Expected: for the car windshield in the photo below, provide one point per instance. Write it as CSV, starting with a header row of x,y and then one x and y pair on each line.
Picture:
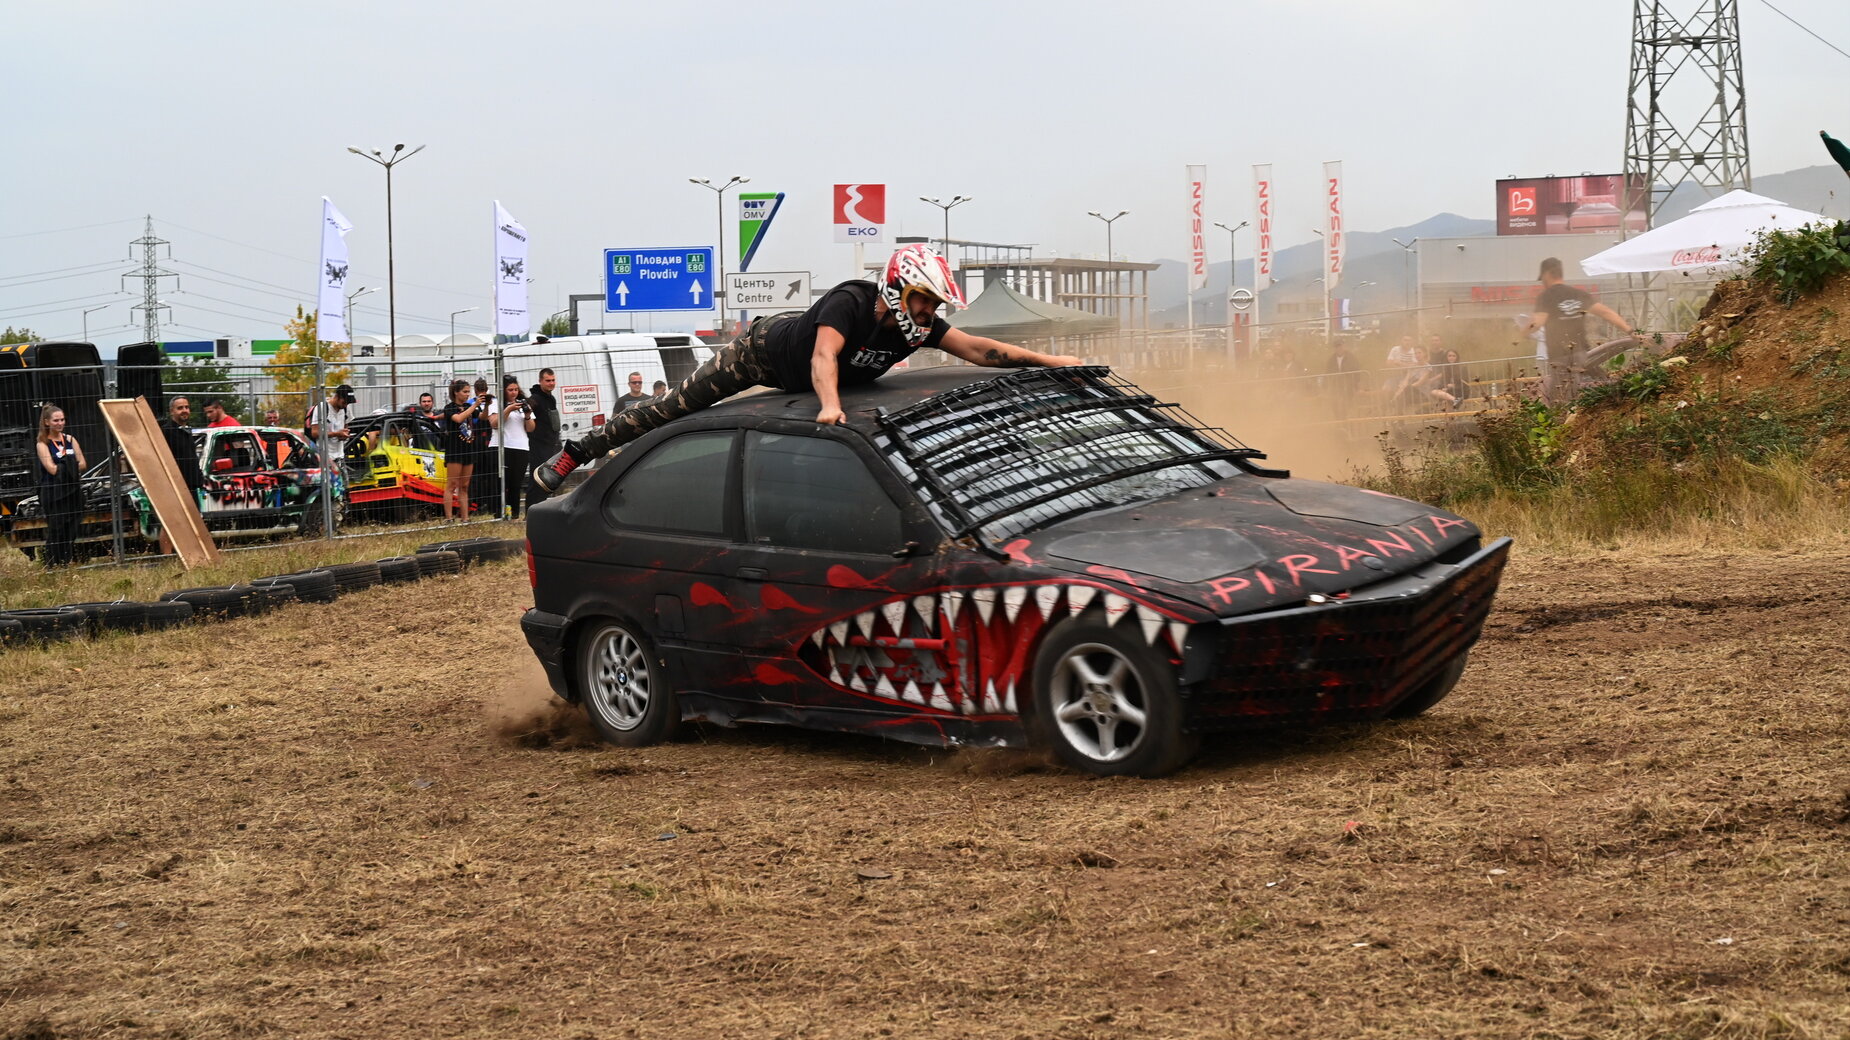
x,y
1026,449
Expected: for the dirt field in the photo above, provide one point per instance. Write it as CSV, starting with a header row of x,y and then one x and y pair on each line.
x,y
1631,820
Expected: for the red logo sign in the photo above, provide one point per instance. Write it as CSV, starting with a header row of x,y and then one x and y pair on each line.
x,y
1334,263
1696,257
1198,249
860,204
1265,231
1522,201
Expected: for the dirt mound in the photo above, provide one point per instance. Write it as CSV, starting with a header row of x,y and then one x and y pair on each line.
x,y
1757,376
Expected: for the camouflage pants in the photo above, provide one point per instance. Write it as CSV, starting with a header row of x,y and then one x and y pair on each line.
x,y
739,365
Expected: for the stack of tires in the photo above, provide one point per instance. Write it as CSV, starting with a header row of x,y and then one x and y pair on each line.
x,y
223,603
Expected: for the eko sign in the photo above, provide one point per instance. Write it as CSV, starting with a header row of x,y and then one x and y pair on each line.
x,y
860,212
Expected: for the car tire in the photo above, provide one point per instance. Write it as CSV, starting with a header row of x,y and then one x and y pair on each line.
x,y
395,569
275,595
439,561
1417,702
119,616
354,576
472,550
316,586
1106,703
46,624
167,615
220,603
311,524
623,686
11,631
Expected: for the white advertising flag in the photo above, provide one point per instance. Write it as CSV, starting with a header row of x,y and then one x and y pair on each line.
x,y
511,317
1333,225
331,299
1262,221
1197,237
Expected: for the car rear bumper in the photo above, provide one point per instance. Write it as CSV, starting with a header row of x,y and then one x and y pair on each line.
x,y
1346,660
546,636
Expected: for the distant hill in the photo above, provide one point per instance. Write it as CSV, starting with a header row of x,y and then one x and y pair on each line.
x,y
1821,189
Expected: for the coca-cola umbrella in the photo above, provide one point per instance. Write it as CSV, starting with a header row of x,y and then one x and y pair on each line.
x,y
1708,242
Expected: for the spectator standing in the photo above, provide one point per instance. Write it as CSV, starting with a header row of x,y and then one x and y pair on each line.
x,y
459,450
635,396
660,391
216,416
513,422
61,498
543,438
331,418
176,429
272,417
1342,378
1561,313
427,406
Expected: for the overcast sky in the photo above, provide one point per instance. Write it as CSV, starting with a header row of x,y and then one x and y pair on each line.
x,y
228,121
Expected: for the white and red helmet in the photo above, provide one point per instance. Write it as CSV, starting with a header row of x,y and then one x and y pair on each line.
x,y
917,269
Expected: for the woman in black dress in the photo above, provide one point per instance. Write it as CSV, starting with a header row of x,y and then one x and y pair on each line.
x,y
61,464
459,450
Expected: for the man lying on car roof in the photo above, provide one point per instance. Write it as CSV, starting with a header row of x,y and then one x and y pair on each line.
x,y
850,336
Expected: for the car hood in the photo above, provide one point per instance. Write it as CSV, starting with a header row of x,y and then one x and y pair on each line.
x,y
1250,543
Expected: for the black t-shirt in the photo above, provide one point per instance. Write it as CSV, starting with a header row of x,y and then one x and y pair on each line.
x,y
185,454
869,348
545,434
1566,308
458,437
626,402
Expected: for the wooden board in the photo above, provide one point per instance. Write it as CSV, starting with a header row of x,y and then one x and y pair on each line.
x,y
142,441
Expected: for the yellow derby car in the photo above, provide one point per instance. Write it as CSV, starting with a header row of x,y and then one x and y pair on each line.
x,y
394,462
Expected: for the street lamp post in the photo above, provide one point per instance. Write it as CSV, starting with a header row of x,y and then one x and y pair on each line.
x,y
1233,277
719,247
453,315
1108,222
956,200
86,317
1406,277
356,294
391,269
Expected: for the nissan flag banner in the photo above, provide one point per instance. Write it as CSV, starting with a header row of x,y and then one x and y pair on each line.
x,y
331,301
1262,222
510,275
860,213
1333,225
1197,240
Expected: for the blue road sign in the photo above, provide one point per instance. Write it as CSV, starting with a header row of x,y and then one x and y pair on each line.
x,y
668,279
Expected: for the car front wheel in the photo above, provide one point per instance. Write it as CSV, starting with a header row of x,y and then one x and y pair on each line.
x,y
623,687
1107,703
1433,692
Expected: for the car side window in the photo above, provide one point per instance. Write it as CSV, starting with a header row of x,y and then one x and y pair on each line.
x,y
680,487
815,493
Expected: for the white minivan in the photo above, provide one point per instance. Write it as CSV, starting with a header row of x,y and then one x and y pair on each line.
x,y
593,371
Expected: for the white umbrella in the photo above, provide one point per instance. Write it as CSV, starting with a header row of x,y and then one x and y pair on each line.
x,y
1708,241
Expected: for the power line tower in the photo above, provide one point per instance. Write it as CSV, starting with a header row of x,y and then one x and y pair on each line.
x,y
150,275
1686,116
1686,121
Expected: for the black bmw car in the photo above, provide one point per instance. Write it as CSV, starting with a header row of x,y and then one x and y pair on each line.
x,y
1048,556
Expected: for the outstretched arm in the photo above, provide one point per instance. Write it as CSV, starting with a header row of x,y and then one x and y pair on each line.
x,y
822,373
991,353
1600,310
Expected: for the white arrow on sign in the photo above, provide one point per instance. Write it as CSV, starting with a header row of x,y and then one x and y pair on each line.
x,y
695,289
623,294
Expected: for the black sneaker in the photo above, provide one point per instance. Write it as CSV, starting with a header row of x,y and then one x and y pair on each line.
x,y
560,466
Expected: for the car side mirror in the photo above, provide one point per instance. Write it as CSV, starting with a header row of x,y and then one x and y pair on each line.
x,y
221,465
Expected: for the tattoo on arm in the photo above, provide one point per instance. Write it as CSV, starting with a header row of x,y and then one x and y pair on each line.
x,y
992,354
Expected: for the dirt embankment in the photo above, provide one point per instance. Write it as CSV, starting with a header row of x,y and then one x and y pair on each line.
x,y
1632,819
1758,372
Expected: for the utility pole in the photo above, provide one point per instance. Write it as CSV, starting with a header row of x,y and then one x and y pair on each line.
x,y
1685,114
150,275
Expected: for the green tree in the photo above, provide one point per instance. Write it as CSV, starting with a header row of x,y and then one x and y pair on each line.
x,y
293,366
555,326
19,335
201,380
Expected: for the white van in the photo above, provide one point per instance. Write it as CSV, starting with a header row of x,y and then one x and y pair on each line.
x,y
593,371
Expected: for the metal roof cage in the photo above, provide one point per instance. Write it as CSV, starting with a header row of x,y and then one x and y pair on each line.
x,y
1026,449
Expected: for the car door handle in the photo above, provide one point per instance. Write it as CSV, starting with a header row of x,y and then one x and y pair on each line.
x,y
751,572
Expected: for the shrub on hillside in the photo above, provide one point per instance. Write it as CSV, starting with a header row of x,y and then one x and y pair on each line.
x,y
1798,263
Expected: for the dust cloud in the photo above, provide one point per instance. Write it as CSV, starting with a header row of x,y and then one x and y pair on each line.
x,y
526,713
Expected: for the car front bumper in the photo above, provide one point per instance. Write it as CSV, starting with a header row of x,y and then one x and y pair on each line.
x,y
546,636
1344,660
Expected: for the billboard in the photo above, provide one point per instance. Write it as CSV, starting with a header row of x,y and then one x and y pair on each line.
x,y
860,212
1571,205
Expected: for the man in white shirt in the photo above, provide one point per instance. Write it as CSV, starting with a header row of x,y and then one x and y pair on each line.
x,y
332,417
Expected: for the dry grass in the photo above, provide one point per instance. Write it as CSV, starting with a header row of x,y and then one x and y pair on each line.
x,y
1631,821
24,583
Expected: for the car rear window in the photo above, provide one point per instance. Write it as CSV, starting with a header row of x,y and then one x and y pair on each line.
x,y
1014,453
680,486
